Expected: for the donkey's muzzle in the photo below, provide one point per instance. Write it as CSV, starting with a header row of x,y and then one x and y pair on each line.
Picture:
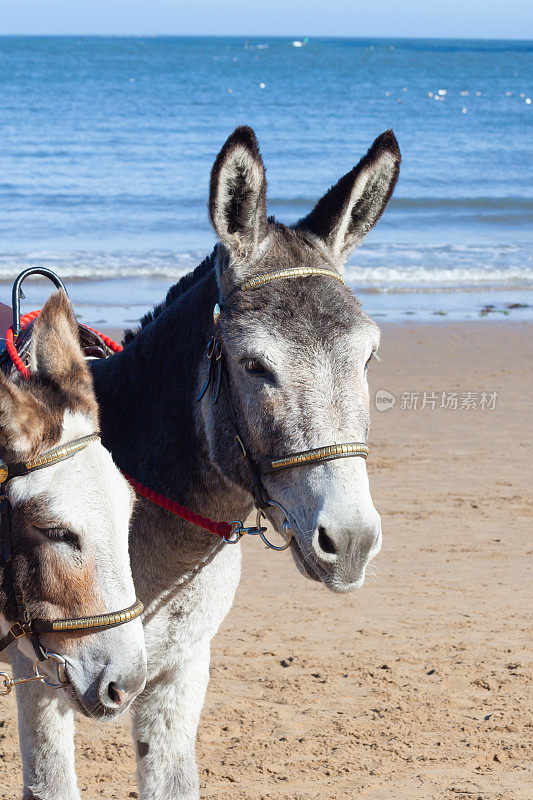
x,y
342,551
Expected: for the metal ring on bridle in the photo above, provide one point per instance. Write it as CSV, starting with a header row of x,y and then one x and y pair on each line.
x,y
60,665
286,529
237,532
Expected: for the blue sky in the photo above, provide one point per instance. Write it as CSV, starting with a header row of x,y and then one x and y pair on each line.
x,y
467,18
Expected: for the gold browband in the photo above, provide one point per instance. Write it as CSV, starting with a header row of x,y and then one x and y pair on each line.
x,y
296,272
321,454
61,452
48,459
111,620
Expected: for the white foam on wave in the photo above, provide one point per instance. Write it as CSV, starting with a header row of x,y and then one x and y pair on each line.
x,y
380,266
99,266
390,278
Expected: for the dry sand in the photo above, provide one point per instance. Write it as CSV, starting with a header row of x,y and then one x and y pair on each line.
x,y
417,685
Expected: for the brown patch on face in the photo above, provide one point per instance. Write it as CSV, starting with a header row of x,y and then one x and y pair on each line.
x,y
66,585
56,583
31,422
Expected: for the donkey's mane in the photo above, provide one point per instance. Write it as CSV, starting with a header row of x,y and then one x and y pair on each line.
x,y
179,289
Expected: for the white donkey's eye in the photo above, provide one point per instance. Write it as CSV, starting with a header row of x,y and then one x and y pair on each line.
x,y
61,535
373,355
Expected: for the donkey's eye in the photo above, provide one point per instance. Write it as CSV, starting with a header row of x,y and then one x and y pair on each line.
x,y
373,355
61,535
255,366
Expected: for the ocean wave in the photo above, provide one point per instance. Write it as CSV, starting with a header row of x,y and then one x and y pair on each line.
x,y
84,265
380,266
388,278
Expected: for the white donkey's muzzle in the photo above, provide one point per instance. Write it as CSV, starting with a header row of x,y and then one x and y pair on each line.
x,y
343,532
345,549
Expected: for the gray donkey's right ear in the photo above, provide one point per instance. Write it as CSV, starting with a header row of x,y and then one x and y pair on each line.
x,y
237,198
351,208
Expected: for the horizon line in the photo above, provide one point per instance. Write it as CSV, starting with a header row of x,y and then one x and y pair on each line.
x,y
261,35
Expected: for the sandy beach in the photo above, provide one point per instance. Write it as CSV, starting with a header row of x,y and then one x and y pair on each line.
x,y
417,685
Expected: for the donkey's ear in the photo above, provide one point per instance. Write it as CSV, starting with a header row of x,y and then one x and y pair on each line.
x,y
23,420
237,197
55,351
351,208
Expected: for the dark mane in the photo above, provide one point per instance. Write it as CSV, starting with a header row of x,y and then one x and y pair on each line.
x,y
179,288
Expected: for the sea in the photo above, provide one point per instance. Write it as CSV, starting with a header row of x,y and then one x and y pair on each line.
x,y
107,145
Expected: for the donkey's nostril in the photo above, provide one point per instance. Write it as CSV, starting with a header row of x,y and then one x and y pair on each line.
x,y
116,695
324,542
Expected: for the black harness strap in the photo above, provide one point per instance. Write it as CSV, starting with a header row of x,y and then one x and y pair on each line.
x,y
257,489
14,633
23,626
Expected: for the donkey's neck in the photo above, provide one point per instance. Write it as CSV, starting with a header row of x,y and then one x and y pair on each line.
x,y
151,421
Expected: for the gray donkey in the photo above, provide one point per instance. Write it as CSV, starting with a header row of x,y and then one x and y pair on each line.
x,y
291,377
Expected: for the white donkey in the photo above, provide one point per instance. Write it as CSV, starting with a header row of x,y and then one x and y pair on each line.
x,y
64,568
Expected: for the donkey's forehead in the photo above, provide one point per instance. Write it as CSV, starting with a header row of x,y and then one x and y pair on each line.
x,y
314,307
286,248
300,312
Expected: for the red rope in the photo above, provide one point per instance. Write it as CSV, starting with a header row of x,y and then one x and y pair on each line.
x,y
219,528
10,344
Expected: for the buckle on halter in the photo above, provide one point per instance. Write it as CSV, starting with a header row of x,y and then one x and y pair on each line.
x,y
16,631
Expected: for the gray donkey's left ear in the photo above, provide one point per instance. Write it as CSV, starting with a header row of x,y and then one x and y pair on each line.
x,y
237,198
351,208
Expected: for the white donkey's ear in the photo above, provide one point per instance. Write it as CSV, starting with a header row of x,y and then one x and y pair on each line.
x,y
23,421
351,208
56,354
55,351
237,198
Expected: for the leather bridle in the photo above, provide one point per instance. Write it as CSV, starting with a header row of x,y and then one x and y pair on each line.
x,y
218,375
25,624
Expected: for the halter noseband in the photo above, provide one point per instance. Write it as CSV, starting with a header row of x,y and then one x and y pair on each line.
x,y
25,625
218,374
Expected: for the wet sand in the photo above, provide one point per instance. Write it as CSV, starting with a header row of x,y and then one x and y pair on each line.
x,y
417,685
